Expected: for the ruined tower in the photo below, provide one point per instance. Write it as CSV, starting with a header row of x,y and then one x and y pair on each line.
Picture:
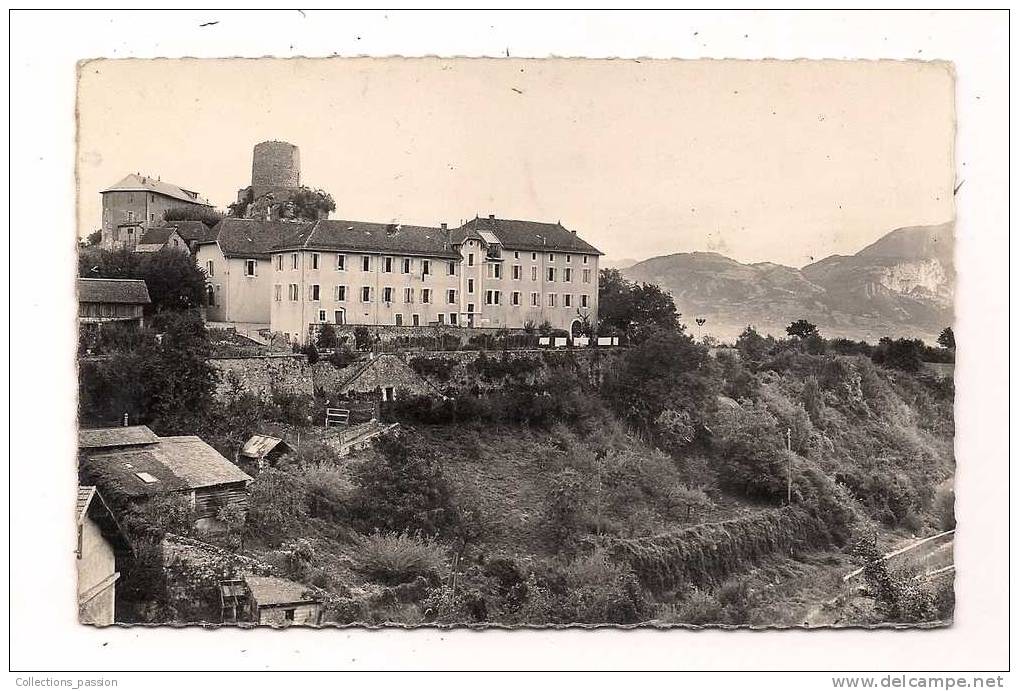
x,y
275,168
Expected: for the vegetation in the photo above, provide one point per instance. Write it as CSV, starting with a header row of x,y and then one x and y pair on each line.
x,y
173,280
191,212
633,310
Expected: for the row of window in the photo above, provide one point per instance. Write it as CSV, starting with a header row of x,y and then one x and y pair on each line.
x,y
367,294
339,317
534,256
387,265
406,265
494,297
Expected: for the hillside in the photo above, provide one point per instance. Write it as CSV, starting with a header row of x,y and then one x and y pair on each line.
x,y
551,498
900,285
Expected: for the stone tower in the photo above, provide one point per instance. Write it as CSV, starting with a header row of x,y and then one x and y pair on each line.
x,y
275,168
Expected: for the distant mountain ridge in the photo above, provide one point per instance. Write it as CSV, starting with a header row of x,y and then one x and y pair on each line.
x,y
900,285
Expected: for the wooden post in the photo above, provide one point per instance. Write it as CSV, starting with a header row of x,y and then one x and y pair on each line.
x,y
789,465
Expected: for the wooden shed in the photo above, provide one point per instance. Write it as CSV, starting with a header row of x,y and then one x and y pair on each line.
x,y
278,602
262,450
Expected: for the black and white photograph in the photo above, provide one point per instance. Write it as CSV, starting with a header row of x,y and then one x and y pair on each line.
x,y
516,343
490,340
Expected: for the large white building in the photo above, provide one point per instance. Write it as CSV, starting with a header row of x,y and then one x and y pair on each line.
x,y
488,273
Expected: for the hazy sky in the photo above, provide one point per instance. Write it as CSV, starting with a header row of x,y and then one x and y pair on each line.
x,y
761,161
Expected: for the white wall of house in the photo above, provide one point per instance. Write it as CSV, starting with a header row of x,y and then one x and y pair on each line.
x,y
309,287
241,285
97,573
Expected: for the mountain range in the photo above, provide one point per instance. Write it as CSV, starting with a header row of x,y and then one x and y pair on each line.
x,y
901,285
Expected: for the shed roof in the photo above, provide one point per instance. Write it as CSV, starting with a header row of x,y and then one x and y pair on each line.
x,y
129,291
108,437
261,445
269,591
197,463
533,236
383,238
136,182
117,473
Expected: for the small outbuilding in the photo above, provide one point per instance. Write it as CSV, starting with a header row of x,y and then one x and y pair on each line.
x,y
263,450
278,602
105,300
102,550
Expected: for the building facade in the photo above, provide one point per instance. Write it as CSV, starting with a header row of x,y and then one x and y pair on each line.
x,y
105,300
488,273
137,203
101,546
236,258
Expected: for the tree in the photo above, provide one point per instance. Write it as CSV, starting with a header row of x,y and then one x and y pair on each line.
x,y
667,371
947,338
802,329
240,207
93,239
752,346
636,311
192,212
310,205
173,280
902,353
180,383
327,337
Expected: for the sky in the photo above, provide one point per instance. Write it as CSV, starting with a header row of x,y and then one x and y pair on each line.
x,y
780,161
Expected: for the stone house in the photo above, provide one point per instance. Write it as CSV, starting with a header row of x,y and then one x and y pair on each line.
x,y
156,239
384,377
101,551
136,203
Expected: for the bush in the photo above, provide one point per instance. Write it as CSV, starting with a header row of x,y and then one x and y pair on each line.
x,y
276,504
397,492
698,608
902,353
392,558
438,368
311,352
342,356
328,490
326,337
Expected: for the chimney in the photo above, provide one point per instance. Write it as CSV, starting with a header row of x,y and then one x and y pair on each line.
x,y
574,232
125,420
491,217
443,226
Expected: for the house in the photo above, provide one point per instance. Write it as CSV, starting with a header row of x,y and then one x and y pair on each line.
x,y
385,377
101,551
263,450
278,602
138,202
135,464
156,239
236,257
489,273
105,300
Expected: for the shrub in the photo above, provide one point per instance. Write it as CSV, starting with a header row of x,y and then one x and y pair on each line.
x,y
276,504
326,337
311,352
392,558
698,608
342,356
433,367
944,507
565,505
902,353
158,515
395,491
293,559
327,490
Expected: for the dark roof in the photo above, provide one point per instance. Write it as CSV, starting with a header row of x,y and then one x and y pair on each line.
x,y
91,504
110,437
130,291
156,236
197,463
382,238
532,236
190,230
146,183
116,473
243,237
268,591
